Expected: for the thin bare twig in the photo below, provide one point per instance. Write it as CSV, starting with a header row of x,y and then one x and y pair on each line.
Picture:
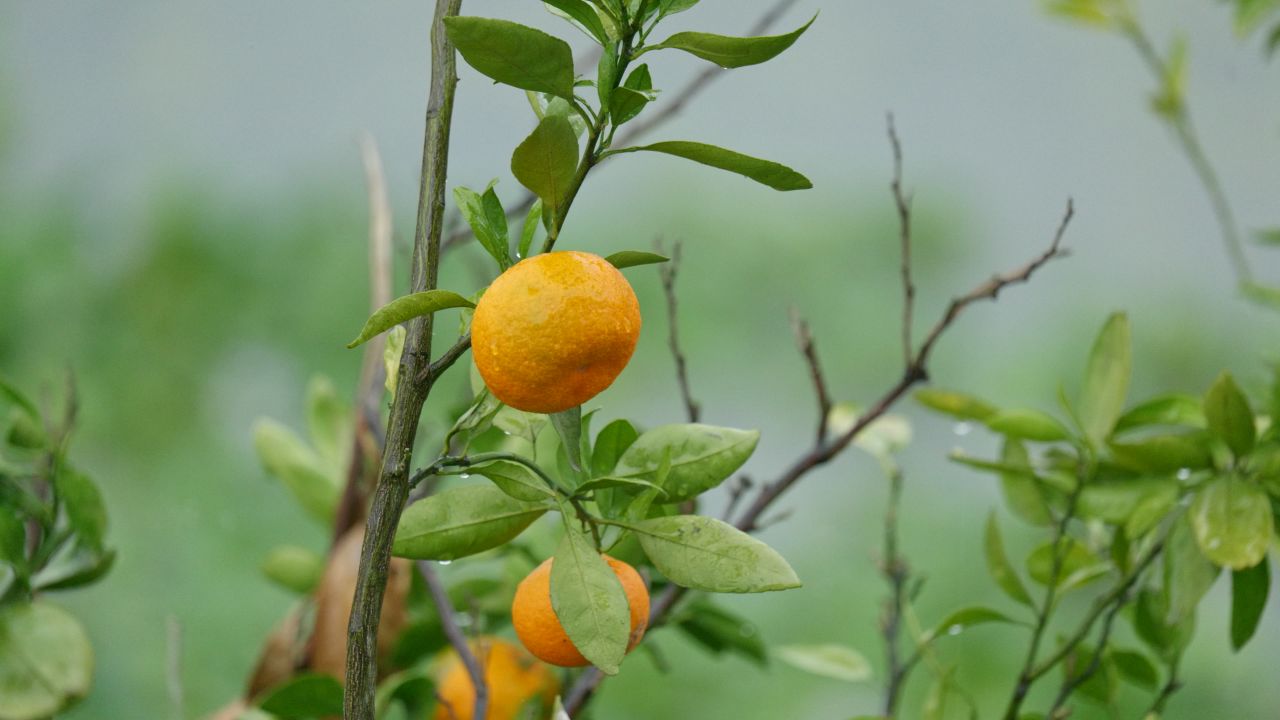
x,y
444,608
896,572
668,272
804,341
903,203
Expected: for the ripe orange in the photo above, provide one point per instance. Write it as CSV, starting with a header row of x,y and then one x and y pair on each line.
x,y
540,630
512,677
554,330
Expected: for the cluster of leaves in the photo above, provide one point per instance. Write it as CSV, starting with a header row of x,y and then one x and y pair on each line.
x,y
1144,505
52,537
1250,16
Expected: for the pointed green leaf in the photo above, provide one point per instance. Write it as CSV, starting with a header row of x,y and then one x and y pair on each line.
x,y
289,460
610,481
965,618
46,662
631,258
406,308
1136,668
568,425
1188,574
610,444
583,15
294,568
589,602
957,405
998,564
546,161
328,422
1233,522
1077,566
837,662
488,222
530,229
1229,417
720,631
304,696
700,456
1165,410
628,100
1115,501
1022,492
83,504
732,52
703,553
514,54
462,521
513,478
765,172
1164,453
1106,380
1028,424
1249,590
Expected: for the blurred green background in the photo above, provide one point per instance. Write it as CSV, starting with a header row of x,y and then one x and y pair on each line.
x,y
182,223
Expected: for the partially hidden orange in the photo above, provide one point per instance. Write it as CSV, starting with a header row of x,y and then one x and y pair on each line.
x,y
512,678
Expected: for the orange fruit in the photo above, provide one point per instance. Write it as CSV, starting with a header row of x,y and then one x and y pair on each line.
x,y
540,630
554,330
512,677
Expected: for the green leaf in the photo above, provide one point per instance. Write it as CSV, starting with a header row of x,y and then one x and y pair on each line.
x,y
671,7
1164,453
628,100
530,229
407,308
998,564
409,690
46,662
547,160
514,54
965,618
462,521
606,74
1165,410
294,568
568,425
1028,424
1077,568
391,357
1088,12
311,695
610,444
583,15
631,258
1022,491
700,456
1249,590
703,553
732,52
1233,522
765,172
1115,501
285,457
1229,417
513,478
608,481
720,631
589,602
1136,668
487,224
13,539
957,405
1268,236
328,422
837,662
76,567
24,431
1188,574
1106,379
15,396
83,504
1169,101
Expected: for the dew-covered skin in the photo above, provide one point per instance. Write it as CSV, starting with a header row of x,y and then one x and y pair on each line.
x,y
555,330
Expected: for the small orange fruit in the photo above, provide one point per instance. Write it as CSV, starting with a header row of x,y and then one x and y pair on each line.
x,y
554,330
512,678
540,630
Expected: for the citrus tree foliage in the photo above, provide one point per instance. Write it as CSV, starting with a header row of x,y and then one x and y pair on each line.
x,y
1142,506
52,538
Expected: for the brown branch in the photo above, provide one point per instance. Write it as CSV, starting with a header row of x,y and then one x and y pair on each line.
x,y
668,272
804,341
393,486
444,608
903,203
